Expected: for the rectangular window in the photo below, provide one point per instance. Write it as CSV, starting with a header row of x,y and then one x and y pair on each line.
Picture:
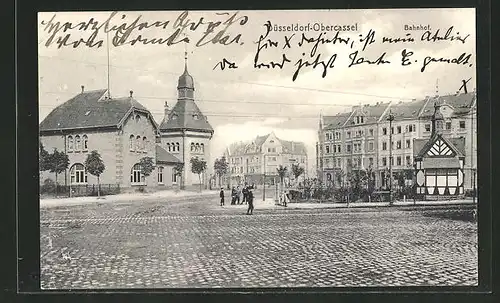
x,y
448,125
348,147
408,144
392,161
337,135
427,127
338,148
327,148
398,160
398,145
370,161
371,132
160,175
384,161
384,131
462,124
384,145
348,135
414,128
408,160
399,129
370,146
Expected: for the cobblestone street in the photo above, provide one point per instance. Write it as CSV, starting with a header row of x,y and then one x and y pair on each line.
x,y
194,244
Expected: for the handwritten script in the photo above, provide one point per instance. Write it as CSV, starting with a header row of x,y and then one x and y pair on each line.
x,y
296,51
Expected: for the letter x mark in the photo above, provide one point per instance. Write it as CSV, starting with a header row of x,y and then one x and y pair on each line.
x,y
464,85
287,41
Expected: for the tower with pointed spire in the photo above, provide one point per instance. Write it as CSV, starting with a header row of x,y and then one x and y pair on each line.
x,y
185,131
437,119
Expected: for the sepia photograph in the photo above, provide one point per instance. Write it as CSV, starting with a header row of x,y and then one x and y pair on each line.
x,y
258,149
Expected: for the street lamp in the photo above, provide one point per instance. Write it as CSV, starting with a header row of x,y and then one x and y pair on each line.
x,y
390,118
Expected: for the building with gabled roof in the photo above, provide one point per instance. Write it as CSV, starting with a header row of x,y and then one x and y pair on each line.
x,y
257,160
361,140
123,131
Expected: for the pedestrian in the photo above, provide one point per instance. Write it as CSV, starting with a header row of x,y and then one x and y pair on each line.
x,y
233,196
250,202
245,195
238,195
221,196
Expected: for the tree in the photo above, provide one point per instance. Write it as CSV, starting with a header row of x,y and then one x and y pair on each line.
x,y
95,166
282,170
147,166
297,170
43,158
57,162
221,167
198,167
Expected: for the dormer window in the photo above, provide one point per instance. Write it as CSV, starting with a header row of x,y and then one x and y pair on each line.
x,y
174,117
196,117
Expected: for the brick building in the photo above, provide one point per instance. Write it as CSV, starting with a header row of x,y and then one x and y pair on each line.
x,y
123,131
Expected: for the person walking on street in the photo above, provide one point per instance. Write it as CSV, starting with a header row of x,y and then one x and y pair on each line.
x,y
233,195
250,202
221,196
245,195
238,195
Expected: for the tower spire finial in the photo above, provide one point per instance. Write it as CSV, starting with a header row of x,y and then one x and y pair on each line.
x,y
185,51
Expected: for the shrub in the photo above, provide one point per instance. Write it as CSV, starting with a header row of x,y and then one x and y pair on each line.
x,y
48,186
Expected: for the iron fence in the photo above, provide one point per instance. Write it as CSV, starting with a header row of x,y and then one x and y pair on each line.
x,y
79,190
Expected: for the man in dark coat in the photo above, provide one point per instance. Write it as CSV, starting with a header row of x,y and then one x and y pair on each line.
x,y
250,202
221,196
233,196
245,195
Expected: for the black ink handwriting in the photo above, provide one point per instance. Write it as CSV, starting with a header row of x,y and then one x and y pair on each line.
x,y
368,39
287,41
329,64
404,57
223,63
320,40
355,60
407,38
463,59
427,36
464,86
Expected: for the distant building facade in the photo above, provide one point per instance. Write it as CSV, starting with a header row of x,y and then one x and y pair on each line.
x,y
123,131
359,139
259,159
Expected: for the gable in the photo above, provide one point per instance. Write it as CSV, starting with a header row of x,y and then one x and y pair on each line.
x,y
440,149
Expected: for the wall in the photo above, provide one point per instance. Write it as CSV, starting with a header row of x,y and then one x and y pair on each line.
x,y
143,128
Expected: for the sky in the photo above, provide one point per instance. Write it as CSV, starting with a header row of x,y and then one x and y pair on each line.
x,y
244,102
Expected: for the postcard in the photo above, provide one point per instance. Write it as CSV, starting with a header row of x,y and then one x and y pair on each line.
x,y
257,149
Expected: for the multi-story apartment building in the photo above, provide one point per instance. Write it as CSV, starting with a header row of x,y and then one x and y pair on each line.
x,y
254,161
361,138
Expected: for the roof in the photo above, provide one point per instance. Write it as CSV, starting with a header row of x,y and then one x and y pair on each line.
x,y
239,148
372,113
185,80
163,156
406,110
186,115
90,110
421,146
336,121
441,163
461,103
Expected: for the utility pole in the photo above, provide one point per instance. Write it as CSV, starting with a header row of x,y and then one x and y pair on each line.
x,y
264,185
390,118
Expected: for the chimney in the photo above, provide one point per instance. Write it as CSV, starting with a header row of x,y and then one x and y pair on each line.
x,y
83,89
131,93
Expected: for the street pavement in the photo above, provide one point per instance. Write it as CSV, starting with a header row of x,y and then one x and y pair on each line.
x,y
192,243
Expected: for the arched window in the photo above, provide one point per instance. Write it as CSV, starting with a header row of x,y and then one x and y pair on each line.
x,y
78,174
138,143
177,146
174,177
136,177
197,147
329,177
70,143
78,143
137,118
192,147
168,147
131,143
144,143
160,175
85,142
202,147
